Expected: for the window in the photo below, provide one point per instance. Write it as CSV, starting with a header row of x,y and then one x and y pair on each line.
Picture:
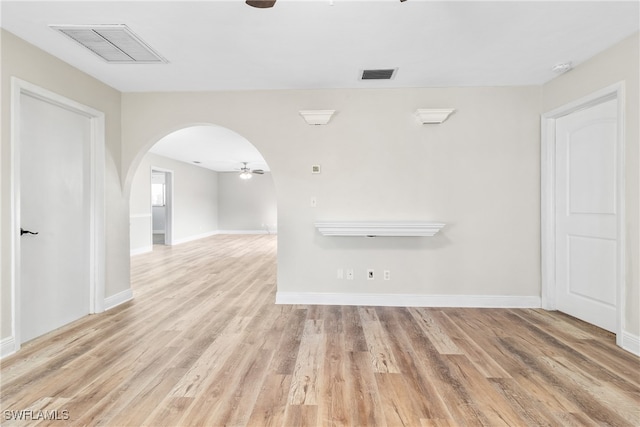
x,y
157,195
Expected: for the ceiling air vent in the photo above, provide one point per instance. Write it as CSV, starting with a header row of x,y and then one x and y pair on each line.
x,y
385,74
113,43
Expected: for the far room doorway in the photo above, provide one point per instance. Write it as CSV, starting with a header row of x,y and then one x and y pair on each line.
x,y
161,206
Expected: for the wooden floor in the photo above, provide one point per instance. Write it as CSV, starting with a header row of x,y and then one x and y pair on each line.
x,y
203,344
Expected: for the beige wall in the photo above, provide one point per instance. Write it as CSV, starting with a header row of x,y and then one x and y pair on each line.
x,y
617,64
28,63
247,205
195,201
478,172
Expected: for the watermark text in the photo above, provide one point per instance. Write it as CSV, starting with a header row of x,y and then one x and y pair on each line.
x,y
36,415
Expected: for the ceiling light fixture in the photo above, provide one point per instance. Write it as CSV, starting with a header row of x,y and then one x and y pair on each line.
x,y
246,172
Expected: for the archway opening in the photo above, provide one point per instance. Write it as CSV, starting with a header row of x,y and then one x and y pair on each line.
x,y
191,184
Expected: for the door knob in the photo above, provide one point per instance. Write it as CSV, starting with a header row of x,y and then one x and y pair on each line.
x,y
23,231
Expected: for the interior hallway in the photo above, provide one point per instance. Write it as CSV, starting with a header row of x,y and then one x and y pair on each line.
x,y
203,344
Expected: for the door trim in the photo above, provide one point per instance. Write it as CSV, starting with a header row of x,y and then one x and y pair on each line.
x,y
547,190
96,200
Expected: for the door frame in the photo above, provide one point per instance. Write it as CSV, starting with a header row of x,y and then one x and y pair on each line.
x,y
168,209
548,195
96,167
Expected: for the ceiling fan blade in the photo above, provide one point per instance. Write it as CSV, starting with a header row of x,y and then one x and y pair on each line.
x,y
261,4
258,171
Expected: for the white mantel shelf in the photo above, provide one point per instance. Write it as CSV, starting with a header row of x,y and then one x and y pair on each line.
x,y
379,228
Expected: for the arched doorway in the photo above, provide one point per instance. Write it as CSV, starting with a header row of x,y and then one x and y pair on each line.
x,y
197,189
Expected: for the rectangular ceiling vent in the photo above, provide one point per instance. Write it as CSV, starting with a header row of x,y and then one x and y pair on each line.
x,y
384,74
113,43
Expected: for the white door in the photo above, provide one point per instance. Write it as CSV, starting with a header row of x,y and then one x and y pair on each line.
x,y
54,202
586,214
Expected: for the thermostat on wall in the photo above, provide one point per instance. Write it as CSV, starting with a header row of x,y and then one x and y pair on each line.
x,y
315,169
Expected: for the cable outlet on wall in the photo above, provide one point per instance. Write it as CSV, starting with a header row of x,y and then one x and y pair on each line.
x,y
350,274
370,274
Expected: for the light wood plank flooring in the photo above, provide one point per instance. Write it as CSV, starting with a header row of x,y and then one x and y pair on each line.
x,y
203,344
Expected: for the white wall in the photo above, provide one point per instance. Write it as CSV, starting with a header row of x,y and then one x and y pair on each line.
x,y
478,172
195,194
247,205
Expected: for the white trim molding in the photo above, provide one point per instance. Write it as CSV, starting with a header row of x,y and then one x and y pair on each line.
x,y
379,228
141,250
195,237
117,299
631,343
7,347
96,183
548,195
408,300
247,232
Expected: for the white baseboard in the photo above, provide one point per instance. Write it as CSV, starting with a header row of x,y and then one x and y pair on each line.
x,y
7,347
140,251
409,300
247,232
631,343
195,237
117,299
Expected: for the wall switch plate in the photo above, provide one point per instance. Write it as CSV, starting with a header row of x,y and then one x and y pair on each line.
x,y
387,275
350,274
370,274
340,274
313,202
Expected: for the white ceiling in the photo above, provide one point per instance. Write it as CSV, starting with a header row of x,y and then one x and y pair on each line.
x,y
311,44
215,147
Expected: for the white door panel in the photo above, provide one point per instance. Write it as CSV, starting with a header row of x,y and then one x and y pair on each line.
x,y
54,264
586,221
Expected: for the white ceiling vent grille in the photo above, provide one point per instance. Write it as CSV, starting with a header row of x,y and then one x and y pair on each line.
x,y
113,43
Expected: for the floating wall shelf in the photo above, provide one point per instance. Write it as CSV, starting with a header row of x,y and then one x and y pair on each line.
x,y
379,228
433,116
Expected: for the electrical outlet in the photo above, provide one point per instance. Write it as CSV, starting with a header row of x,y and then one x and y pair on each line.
x,y
350,274
370,274
340,274
387,275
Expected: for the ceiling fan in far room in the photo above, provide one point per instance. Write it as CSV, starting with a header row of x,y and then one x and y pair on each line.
x,y
265,4
246,172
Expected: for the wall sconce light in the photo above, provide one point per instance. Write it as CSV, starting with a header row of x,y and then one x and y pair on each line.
x,y
317,117
433,116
